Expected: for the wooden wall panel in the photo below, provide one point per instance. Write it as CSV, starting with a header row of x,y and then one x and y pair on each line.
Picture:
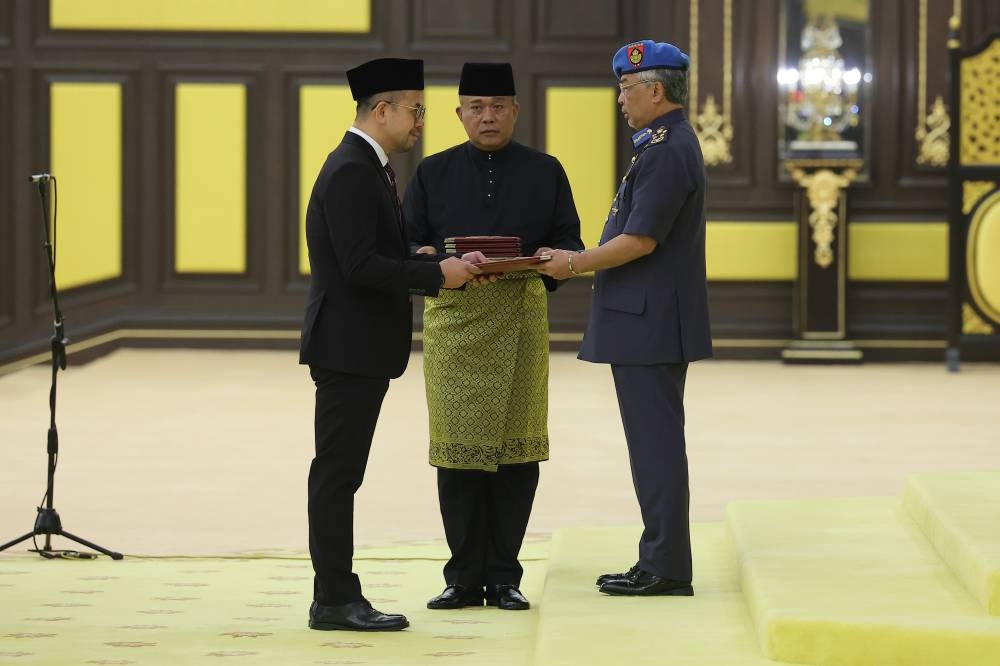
x,y
176,277
6,15
110,293
579,22
6,207
549,42
459,25
318,45
980,18
86,155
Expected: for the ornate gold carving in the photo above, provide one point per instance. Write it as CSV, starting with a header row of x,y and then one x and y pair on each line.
x,y
954,23
982,295
972,323
714,126
973,191
932,129
933,136
979,133
715,134
823,190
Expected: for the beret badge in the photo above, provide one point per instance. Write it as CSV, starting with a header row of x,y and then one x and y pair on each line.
x,y
636,53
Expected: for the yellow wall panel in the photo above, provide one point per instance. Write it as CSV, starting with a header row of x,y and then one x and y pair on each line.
x,y
325,113
751,250
86,136
580,132
213,15
906,251
210,178
442,128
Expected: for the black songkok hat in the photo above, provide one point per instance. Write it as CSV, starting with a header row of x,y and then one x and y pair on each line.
x,y
489,79
385,75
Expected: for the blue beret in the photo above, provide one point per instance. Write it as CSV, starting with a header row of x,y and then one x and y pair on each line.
x,y
647,54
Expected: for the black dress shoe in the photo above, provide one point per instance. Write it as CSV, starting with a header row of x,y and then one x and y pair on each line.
x,y
604,578
506,597
644,584
457,596
354,616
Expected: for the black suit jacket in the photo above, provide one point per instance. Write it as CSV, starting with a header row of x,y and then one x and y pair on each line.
x,y
359,319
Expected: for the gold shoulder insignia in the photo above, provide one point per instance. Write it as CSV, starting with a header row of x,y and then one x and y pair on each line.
x,y
659,136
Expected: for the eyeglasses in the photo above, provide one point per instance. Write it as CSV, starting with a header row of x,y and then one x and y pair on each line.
x,y
419,111
625,86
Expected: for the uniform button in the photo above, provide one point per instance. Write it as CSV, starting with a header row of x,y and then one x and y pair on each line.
x,y
491,182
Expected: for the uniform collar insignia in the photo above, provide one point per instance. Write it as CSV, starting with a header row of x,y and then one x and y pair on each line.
x,y
641,137
659,135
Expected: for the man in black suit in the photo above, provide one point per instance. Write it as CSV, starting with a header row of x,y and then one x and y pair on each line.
x,y
358,324
649,316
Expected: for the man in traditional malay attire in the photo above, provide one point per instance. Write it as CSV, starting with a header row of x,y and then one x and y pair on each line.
x,y
486,347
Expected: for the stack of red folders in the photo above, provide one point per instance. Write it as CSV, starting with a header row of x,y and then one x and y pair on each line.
x,y
493,247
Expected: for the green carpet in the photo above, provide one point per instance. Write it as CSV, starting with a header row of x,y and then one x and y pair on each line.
x,y
579,625
854,582
959,513
245,611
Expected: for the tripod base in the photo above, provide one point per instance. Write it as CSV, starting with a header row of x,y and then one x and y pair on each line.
x,y
48,523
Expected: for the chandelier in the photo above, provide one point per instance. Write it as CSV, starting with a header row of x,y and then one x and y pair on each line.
x,y
821,95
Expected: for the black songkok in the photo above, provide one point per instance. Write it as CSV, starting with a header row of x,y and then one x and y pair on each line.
x,y
385,75
487,79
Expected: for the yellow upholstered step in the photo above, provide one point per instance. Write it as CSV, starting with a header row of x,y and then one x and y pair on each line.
x,y
854,582
578,625
959,513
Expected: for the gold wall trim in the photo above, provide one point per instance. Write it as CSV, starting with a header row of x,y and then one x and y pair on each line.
x,y
978,291
979,87
713,126
823,188
972,323
348,16
932,132
973,191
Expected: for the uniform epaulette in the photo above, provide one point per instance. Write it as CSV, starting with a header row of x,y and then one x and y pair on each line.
x,y
659,136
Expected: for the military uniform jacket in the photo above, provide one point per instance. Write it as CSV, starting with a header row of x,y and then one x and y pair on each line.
x,y
655,309
359,319
514,191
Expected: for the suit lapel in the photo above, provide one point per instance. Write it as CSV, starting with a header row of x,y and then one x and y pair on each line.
x,y
358,142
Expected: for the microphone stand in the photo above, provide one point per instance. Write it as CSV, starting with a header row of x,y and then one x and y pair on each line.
x,y
47,522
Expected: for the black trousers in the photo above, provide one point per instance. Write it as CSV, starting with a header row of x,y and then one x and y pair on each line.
x,y
651,401
485,517
347,409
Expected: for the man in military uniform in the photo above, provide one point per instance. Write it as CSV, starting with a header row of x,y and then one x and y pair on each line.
x,y
649,315
358,323
486,348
